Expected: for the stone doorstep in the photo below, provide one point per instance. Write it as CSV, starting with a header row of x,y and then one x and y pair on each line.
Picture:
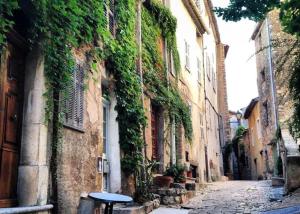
x,y
277,181
29,209
138,209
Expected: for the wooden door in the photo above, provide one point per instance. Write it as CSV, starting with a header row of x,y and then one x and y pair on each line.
x,y
154,132
11,88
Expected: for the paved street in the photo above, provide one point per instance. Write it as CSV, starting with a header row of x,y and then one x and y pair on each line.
x,y
236,197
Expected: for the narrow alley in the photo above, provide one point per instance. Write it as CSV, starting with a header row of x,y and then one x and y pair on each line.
x,y
238,197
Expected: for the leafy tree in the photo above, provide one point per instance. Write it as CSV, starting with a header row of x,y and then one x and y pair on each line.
x,y
257,9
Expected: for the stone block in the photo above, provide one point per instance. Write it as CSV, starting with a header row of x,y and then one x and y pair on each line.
x,y
43,181
129,210
171,192
177,199
27,185
156,203
30,144
277,181
149,206
43,135
168,200
191,194
293,173
162,191
184,199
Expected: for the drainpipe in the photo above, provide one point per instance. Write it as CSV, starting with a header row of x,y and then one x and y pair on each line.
x,y
273,90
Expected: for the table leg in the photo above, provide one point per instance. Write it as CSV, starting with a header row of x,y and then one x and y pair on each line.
x,y
111,208
106,211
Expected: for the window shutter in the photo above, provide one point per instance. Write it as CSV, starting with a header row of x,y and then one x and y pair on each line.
x,y
110,16
74,101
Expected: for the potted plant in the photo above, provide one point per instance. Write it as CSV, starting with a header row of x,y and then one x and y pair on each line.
x,y
177,172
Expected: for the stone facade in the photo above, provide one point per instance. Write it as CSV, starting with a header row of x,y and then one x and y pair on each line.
x,y
276,106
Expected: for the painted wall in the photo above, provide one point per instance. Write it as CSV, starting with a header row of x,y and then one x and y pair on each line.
x,y
257,152
191,83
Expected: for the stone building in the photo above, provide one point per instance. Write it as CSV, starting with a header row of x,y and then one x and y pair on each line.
x,y
202,55
25,152
89,156
275,104
257,158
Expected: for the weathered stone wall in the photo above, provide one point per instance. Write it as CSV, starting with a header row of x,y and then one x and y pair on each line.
x,y
277,65
77,169
293,173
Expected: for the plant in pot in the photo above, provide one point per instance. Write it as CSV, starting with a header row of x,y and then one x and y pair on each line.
x,y
177,172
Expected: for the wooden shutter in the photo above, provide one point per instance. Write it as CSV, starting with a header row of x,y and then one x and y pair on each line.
x,y
110,16
74,101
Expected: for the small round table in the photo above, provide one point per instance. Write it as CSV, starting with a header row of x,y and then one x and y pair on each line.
x,y
109,199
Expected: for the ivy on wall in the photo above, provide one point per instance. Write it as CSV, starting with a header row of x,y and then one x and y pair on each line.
x,y
158,22
60,26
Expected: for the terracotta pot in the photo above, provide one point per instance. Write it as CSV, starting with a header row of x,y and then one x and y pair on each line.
x,y
163,181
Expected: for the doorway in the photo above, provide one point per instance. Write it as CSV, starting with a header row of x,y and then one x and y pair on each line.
x,y
11,103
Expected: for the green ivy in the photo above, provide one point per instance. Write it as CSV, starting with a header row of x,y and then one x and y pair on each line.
x,y
7,7
155,78
61,26
122,63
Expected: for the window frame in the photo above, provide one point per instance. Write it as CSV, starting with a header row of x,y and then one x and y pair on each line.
x,y
187,56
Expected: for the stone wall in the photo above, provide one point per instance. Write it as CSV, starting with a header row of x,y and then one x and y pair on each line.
x,y
77,169
292,173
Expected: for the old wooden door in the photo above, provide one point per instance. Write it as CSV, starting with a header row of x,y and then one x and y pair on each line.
x,y
11,88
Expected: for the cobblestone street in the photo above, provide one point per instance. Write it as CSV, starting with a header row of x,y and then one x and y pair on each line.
x,y
236,197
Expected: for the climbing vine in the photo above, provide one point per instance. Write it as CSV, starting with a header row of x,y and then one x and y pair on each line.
x,y
59,27
6,12
157,24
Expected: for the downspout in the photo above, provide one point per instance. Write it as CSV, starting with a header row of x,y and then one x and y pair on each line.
x,y
272,78
206,141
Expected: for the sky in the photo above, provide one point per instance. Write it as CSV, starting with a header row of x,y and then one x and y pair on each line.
x,y
240,66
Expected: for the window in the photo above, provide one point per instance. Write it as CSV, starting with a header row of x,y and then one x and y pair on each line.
x,y
73,104
201,126
110,15
252,137
258,129
187,56
199,69
263,75
208,67
266,113
214,81
170,63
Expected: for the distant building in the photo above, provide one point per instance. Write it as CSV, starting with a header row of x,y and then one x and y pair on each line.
x,y
257,155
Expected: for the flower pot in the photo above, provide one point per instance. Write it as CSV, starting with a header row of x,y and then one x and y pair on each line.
x,y
163,181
